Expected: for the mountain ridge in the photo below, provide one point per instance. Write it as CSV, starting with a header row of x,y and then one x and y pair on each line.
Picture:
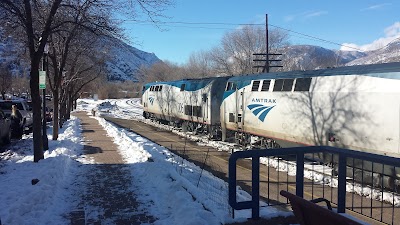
x,y
124,61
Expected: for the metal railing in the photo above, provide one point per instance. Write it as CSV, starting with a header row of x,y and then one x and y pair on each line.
x,y
364,183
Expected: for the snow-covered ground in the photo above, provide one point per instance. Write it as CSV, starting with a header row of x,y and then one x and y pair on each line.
x,y
131,109
180,192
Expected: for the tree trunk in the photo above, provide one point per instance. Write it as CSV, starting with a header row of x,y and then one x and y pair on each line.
x,y
70,105
55,114
62,112
37,120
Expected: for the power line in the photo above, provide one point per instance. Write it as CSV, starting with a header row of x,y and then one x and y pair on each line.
x,y
316,38
195,23
310,37
197,27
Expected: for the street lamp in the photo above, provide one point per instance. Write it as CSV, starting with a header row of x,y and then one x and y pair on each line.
x,y
44,128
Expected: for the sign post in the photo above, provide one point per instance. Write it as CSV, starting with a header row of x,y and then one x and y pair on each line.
x,y
42,79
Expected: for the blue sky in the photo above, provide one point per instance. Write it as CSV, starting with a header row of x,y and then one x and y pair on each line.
x,y
362,24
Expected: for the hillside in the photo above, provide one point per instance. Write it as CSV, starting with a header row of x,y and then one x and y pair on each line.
x,y
389,53
124,61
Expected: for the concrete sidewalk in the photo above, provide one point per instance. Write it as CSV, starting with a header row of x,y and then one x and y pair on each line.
x,y
107,197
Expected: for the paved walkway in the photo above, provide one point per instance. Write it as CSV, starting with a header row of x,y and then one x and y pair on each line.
x,y
107,197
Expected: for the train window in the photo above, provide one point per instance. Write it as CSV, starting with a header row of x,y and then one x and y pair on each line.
x,y
302,84
283,84
188,110
233,86
157,88
228,86
287,85
183,87
265,85
231,118
197,111
256,84
151,88
278,85
239,118
160,88
204,97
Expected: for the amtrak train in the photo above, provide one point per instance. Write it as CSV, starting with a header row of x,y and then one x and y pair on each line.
x,y
356,107
192,104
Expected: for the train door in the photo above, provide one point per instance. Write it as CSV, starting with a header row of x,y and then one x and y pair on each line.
x,y
145,102
239,109
205,107
144,98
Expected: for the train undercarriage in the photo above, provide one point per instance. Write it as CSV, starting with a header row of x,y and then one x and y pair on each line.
x,y
388,178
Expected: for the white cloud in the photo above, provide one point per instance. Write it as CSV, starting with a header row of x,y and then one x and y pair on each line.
x,y
305,15
374,7
391,33
290,18
314,14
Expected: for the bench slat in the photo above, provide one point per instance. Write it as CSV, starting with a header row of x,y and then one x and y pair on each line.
x,y
309,213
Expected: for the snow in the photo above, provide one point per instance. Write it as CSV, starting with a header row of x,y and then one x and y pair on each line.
x,y
43,203
318,173
179,192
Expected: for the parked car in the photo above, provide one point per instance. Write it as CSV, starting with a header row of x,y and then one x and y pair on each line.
x,y
49,112
23,108
49,98
5,128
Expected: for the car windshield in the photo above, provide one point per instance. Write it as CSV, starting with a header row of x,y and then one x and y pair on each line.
x,y
7,105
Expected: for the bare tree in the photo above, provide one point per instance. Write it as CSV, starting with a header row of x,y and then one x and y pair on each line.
x,y
35,19
161,71
20,85
235,55
72,44
80,73
199,65
5,80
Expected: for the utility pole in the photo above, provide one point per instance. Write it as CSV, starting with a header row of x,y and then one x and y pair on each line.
x,y
267,65
45,66
266,68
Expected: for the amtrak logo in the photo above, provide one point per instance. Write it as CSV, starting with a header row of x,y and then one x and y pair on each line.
x,y
260,110
151,100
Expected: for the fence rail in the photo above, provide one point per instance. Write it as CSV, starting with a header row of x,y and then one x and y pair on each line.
x,y
362,182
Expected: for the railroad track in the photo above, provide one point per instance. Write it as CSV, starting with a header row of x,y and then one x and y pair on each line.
x,y
271,180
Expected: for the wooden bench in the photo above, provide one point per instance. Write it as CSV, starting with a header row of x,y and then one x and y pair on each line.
x,y
309,213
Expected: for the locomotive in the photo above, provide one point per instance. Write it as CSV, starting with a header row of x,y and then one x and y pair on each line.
x,y
356,107
192,104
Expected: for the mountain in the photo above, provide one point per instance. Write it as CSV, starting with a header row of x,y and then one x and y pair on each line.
x,y
310,57
11,57
305,57
124,61
386,54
